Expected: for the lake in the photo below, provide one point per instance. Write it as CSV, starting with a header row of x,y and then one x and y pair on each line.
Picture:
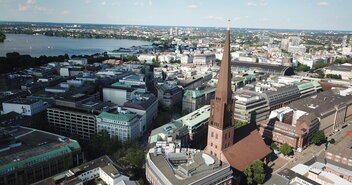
x,y
36,45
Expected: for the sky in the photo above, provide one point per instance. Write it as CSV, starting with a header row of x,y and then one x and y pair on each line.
x,y
282,14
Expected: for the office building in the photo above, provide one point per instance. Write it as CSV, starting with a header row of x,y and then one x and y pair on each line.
x,y
250,107
169,95
285,125
168,163
175,130
76,115
121,123
29,155
102,168
137,80
204,59
282,96
332,110
190,129
145,105
78,61
242,67
338,157
119,93
23,106
345,70
194,99
197,125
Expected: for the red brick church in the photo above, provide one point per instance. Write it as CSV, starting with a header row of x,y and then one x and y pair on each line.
x,y
241,147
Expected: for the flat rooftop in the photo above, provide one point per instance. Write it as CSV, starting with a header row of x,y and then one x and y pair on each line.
x,y
24,101
180,173
69,176
343,148
33,145
200,115
320,103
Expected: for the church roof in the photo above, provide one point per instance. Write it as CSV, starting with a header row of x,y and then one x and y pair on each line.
x,y
249,146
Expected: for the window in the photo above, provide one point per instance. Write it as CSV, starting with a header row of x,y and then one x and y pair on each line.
x,y
216,136
211,144
212,134
216,146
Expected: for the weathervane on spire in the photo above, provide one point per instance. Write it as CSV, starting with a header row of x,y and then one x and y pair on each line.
x,y
228,25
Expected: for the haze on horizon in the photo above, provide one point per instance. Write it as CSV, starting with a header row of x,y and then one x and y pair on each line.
x,y
277,14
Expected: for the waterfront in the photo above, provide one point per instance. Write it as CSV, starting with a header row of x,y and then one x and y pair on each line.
x,y
37,45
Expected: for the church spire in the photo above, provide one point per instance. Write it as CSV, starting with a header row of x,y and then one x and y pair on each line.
x,y
223,91
220,127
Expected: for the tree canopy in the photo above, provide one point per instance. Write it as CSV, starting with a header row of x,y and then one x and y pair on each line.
x,y
285,149
318,137
301,67
239,124
2,37
255,173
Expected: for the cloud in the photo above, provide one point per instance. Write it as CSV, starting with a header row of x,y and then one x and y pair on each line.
x,y
192,6
323,4
103,3
252,4
138,4
264,19
26,7
263,3
239,18
115,4
31,1
260,3
65,12
150,2
215,18
23,8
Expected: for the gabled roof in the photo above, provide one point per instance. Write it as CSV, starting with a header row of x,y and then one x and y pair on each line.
x,y
249,146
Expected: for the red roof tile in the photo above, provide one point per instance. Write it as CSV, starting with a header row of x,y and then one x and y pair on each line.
x,y
245,151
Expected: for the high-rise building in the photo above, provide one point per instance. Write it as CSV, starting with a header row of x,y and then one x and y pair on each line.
x,y
239,150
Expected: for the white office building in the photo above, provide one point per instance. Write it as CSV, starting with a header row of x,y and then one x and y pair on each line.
x,y
123,124
23,106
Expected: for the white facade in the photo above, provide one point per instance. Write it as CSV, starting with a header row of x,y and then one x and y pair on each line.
x,y
147,57
297,49
24,107
124,125
203,59
186,59
117,96
78,61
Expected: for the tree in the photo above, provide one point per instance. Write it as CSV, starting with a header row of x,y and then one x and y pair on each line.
x,y
334,76
301,67
239,124
320,73
255,173
248,173
332,141
318,137
274,146
135,156
2,37
285,149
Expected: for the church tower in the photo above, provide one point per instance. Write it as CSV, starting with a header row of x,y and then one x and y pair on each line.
x,y
220,127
